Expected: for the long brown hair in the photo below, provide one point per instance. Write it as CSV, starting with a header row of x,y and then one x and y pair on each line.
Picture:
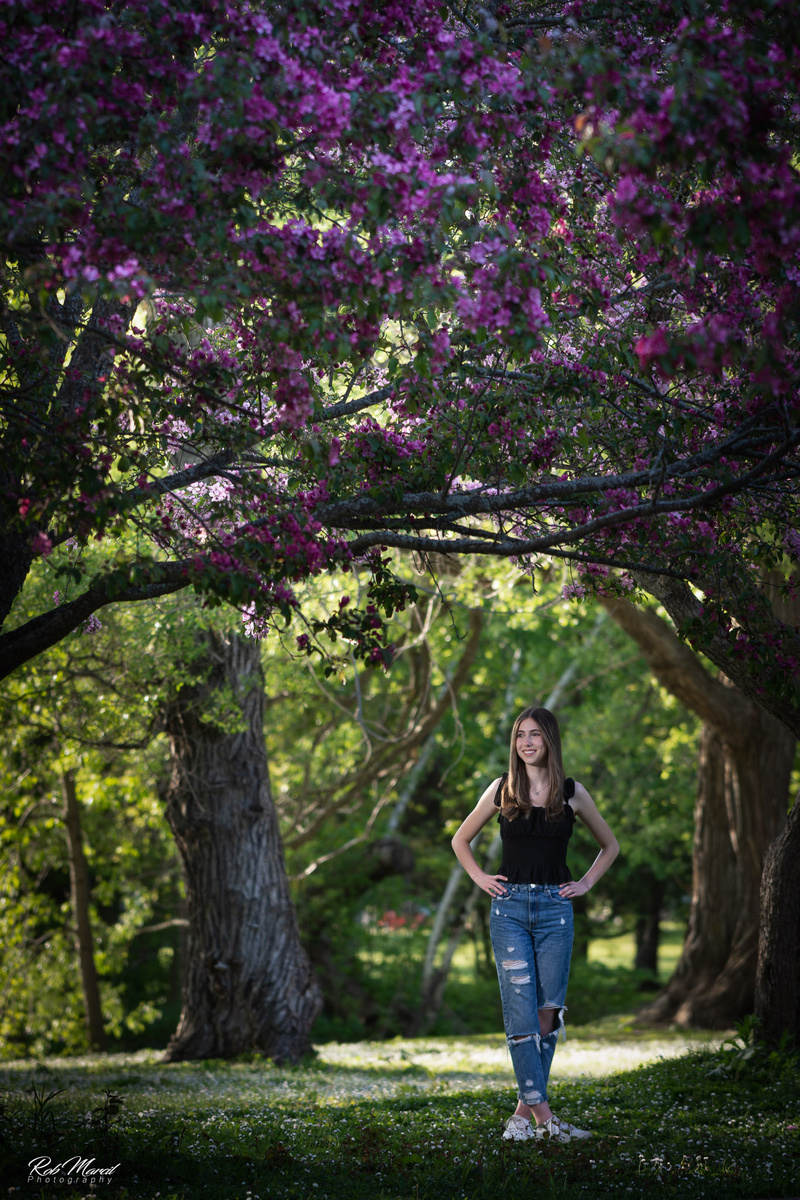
x,y
516,794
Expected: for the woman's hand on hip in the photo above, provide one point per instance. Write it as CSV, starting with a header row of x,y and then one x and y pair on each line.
x,y
491,884
576,888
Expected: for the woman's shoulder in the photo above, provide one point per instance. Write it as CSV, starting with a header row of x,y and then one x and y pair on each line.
x,y
497,786
579,797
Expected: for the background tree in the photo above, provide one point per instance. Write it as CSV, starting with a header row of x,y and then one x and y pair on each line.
x,y
744,769
248,984
133,875
79,886
779,937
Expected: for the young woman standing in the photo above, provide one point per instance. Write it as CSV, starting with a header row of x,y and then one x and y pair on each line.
x,y
531,919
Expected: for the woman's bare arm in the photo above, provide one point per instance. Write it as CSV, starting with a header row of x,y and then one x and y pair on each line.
x,y
481,815
584,807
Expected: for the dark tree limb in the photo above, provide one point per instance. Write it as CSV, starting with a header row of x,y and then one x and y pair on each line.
x,y
685,608
20,645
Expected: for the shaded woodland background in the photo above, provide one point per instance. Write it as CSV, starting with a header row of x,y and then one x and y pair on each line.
x,y
369,774
260,322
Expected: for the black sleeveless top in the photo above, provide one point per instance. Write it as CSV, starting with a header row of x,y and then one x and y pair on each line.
x,y
535,849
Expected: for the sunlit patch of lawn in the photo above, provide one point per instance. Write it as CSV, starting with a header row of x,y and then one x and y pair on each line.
x,y
607,1046
621,951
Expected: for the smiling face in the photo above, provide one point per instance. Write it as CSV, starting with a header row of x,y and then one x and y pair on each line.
x,y
531,746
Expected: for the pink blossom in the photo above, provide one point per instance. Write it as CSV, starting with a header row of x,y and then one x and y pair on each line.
x,y
626,190
653,346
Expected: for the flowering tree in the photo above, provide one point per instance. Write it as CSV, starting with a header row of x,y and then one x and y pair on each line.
x,y
287,285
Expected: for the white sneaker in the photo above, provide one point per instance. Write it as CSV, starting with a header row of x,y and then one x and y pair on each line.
x,y
518,1129
557,1130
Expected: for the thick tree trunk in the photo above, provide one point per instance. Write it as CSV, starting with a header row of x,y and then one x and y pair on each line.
x,y
740,808
714,892
81,895
743,782
777,1000
248,984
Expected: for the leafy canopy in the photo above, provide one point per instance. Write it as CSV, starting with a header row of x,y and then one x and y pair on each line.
x,y
288,285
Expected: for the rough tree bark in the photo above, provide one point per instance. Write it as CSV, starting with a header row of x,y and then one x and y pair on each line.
x,y
743,782
777,1003
248,983
79,887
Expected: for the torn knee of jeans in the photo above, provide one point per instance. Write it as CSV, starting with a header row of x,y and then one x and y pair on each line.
x,y
558,1028
520,978
519,1039
514,964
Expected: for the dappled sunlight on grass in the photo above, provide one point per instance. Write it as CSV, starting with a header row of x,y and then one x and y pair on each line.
x,y
596,1050
341,1073
416,1119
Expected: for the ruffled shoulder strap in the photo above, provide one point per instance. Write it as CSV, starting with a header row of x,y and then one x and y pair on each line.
x,y
569,792
499,791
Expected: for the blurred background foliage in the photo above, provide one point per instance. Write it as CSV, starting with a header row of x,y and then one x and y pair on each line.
x,y
366,831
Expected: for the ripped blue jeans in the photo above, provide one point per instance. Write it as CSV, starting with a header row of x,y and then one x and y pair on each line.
x,y
531,930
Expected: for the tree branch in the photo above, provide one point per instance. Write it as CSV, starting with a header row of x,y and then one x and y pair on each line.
x,y
389,753
684,607
679,669
19,645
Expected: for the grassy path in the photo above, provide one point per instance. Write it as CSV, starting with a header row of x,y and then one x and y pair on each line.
x,y
603,1048
410,1120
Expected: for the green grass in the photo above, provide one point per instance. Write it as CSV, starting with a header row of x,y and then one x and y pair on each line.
x,y
413,1120
620,951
